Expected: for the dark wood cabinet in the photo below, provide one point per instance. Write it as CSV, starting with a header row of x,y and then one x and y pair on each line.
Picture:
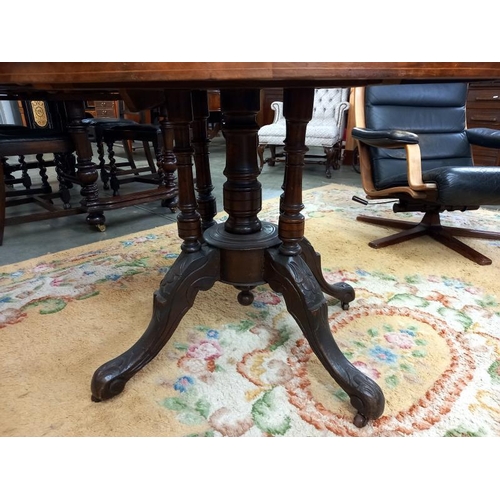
x,y
103,109
483,110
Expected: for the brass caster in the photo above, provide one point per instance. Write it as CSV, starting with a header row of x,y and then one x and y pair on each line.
x,y
101,227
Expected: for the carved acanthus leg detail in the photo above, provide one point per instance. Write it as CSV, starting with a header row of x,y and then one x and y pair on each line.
x,y
341,291
291,276
190,273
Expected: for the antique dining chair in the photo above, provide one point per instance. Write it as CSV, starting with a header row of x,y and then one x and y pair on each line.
x,y
105,132
415,148
22,153
325,130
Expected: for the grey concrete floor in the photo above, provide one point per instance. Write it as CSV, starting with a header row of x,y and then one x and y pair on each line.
x,y
34,239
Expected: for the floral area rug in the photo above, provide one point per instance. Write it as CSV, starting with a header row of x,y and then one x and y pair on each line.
x,y
425,325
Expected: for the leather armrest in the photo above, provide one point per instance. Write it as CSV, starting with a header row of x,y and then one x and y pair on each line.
x,y
398,139
486,137
391,139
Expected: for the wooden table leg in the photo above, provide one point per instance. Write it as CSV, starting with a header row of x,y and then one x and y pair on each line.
x,y
197,267
287,270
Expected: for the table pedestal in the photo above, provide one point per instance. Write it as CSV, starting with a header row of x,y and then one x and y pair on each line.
x,y
243,251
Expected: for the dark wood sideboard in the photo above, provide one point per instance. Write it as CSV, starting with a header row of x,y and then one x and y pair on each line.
x,y
483,110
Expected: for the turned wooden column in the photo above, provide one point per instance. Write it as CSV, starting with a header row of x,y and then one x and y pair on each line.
x,y
206,201
167,163
87,173
180,113
242,191
297,109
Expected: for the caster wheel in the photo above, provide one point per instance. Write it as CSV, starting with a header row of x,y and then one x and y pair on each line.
x,y
345,306
101,227
360,421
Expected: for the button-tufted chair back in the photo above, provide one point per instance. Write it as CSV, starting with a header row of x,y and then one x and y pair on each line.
x,y
326,103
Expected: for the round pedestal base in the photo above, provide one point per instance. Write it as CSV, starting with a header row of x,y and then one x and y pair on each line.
x,y
218,237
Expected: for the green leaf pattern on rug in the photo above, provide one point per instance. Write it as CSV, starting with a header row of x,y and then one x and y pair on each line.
x,y
409,300
487,301
190,407
494,372
284,336
243,326
462,432
49,306
454,315
267,417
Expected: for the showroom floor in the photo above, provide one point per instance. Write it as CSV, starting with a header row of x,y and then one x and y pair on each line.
x,y
25,241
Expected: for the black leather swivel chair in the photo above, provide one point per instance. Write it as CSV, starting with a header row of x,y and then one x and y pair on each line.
x,y
414,146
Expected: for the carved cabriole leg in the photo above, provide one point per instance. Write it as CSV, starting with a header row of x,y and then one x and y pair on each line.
x,y
206,201
167,163
87,173
288,271
189,274
291,276
197,268
341,291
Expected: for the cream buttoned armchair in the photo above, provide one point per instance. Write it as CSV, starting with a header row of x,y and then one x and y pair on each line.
x,y
325,130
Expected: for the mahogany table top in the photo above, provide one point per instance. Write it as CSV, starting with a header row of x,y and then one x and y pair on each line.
x,y
116,75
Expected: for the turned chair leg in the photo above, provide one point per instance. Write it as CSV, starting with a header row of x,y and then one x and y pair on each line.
x,y
149,156
260,152
272,161
130,156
